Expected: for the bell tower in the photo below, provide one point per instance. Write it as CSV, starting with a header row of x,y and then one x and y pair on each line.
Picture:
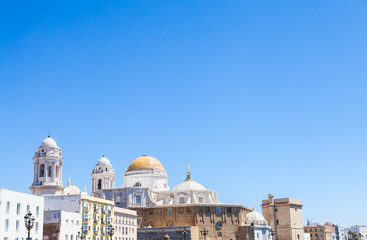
x,y
103,177
47,174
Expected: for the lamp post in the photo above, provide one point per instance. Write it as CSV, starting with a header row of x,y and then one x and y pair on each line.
x,y
81,234
111,231
29,223
236,234
204,233
184,233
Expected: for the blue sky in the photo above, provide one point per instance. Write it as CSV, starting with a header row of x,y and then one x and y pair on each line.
x,y
257,96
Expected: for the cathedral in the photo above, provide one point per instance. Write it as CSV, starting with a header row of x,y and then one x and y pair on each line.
x,y
146,185
146,191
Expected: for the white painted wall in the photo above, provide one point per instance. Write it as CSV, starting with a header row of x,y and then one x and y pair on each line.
x,y
125,224
13,198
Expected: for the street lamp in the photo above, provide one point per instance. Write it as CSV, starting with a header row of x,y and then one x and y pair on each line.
x,y
111,230
184,233
236,235
29,223
81,234
204,233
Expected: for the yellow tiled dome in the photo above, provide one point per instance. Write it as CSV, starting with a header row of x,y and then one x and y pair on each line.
x,y
146,162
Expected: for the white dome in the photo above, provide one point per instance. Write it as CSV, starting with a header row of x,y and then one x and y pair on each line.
x,y
189,185
104,161
255,217
49,142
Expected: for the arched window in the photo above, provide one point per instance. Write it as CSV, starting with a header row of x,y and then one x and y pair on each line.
x,y
49,171
137,184
99,184
42,170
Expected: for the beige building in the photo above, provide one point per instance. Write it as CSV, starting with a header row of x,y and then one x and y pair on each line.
x,y
284,215
319,232
125,224
220,220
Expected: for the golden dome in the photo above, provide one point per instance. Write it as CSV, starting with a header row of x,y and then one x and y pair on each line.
x,y
146,162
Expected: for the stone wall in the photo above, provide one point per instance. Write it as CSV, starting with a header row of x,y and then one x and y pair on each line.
x,y
171,232
220,220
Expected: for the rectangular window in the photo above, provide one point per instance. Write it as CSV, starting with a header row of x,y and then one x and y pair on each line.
x,y
85,227
36,228
85,217
181,200
169,210
72,222
201,199
66,237
217,210
7,207
37,211
71,237
219,234
17,225
18,208
29,208
138,199
6,225
67,222
207,209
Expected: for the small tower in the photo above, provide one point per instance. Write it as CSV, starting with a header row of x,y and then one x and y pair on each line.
x,y
47,177
103,176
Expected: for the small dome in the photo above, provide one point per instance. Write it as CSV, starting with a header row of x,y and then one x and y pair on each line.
x,y
49,142
104,161
188,186
255,217
146,162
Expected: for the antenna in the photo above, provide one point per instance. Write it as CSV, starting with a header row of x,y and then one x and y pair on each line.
x,y
49,133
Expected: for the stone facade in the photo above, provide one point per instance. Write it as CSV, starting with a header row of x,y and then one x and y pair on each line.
x,y
171,232
285,217
47,174
319,232
221,220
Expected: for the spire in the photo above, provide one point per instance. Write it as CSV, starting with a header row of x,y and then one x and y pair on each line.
x,y
49,133
188,173
69,183
85,188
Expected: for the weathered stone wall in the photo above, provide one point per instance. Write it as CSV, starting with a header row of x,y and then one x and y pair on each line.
x,y
221,221
172,232
51,231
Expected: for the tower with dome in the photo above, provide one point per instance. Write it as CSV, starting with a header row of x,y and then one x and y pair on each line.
x,y
47,173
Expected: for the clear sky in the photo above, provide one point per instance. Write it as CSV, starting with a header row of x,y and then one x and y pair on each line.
x,y
257,96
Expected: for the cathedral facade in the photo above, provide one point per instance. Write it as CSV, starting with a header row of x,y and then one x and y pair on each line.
x,y
146,185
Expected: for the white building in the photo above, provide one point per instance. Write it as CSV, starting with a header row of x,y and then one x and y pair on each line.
x,y
13,207
61,225
360,229
125,224
307,236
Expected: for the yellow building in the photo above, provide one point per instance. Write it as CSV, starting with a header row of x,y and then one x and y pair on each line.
x,y
97,217
319,232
